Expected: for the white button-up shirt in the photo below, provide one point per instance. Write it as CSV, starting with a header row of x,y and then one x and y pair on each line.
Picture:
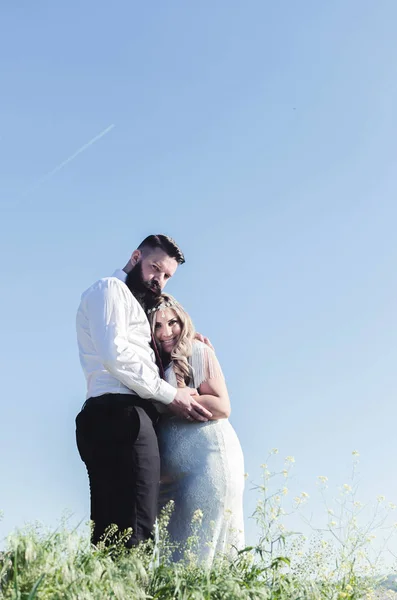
x,y
113,336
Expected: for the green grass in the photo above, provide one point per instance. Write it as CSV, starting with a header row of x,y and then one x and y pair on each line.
x,y
335,563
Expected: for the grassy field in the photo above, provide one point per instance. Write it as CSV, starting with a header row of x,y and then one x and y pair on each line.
x,y
335,563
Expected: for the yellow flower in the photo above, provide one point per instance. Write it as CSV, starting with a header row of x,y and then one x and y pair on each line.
x,y
298,500
274,451
392,506
197,516
285,472
333,523
381,498
322,478
290,459
284,491
356,453
347,487
304,495
245,475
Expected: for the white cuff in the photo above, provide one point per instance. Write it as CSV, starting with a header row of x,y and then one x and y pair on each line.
x,y
166,393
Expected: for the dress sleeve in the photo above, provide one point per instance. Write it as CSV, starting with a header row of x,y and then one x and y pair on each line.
x,y
204,364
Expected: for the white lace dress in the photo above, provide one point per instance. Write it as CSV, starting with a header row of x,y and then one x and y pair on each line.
x,y
202,471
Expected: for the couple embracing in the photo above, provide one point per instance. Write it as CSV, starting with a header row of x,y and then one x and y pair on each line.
x,y
154,426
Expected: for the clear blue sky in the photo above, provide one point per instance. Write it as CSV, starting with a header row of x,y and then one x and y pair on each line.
x,y
262,136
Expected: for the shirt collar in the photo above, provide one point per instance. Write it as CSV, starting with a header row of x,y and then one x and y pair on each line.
x,y
120,274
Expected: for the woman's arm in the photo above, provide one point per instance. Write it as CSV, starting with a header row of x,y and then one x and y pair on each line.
x,y
213,395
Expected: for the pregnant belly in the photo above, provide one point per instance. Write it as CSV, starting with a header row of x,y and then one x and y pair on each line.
x,y
196,447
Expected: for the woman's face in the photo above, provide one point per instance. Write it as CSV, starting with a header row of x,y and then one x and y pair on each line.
x,y
167,329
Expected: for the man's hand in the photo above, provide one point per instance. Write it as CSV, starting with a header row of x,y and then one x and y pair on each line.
x,y
184,405
203,339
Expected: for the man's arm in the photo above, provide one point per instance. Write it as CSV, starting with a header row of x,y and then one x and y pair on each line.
x,y
108,310
109,314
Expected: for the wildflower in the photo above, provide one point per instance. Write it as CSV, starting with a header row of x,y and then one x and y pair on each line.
x,y
381,498
290,459
274,451
347,487
392,506
355,453
277,498
358,504
284,491
245,475
263,466
304,495
333,523
197,516
330,511
322,478
297,500
285,472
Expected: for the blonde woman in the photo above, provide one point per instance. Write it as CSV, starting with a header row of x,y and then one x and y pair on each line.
x,y
202,465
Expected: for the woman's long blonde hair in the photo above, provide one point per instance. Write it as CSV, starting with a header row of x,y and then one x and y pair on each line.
x,y
183,349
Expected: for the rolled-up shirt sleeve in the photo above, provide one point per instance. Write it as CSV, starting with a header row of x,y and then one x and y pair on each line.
x,y
110,316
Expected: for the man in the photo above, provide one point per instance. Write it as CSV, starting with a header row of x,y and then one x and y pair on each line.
x,y
115,428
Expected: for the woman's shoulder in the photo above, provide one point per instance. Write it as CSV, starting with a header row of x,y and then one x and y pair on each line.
x,y
204,363
201,352
201,349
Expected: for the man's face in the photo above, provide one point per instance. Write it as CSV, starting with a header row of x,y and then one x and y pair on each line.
x,y
157,268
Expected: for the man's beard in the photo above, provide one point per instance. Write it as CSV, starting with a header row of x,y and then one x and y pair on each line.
x,y
146,292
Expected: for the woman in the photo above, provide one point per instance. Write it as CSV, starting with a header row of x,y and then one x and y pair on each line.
x,y
202,465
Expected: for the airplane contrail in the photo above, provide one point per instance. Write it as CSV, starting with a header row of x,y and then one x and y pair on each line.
x,y
72,157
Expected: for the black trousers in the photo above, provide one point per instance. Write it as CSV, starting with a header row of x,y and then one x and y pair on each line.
x,y
117,442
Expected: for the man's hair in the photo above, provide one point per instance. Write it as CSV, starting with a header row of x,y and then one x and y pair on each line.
x,y
166,243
